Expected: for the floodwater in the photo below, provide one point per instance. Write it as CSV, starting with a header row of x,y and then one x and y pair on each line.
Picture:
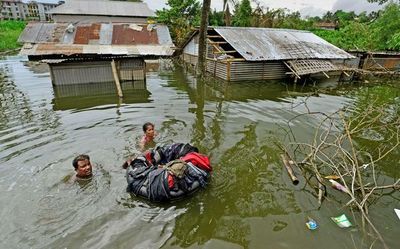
x,y
249,203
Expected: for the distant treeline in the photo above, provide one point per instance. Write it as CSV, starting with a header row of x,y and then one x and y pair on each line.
x,y
374,31
9,33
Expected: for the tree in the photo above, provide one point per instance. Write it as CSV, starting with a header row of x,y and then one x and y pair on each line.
x,y
378,1
328,17
216,18
201,66
227,16
242,17
386,28
181,17
227,13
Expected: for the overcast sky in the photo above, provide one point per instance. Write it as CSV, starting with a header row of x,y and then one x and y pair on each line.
x,y
306,7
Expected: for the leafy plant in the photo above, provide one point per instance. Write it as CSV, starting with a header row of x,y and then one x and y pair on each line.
x,y
181,17
9,33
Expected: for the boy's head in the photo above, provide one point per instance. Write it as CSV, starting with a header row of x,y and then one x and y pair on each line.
x,y
82,166
148,129
147,125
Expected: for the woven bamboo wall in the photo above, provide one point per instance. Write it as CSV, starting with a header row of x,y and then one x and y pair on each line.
x,y
241,70
257,70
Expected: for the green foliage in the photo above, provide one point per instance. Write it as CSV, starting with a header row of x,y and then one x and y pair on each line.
x,y
378,1
294,21
242,17
386,26
394,42
181,17
216,18
354,36
373,31
9,33
377,31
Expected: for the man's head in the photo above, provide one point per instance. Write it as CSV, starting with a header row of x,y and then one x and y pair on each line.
x,y
82,166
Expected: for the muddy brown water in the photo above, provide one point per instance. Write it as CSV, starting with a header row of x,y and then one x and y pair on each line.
x,y
249,203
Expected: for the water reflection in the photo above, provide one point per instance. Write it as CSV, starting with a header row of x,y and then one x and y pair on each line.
x,y
81,96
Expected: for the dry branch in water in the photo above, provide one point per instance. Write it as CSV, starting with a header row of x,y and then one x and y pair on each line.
x,y
335,151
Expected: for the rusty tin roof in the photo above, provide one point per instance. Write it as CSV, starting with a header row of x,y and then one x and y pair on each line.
x,y
103,8
259,44
96,38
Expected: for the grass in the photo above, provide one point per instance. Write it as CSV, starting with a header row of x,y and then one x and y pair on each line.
x,y
9,33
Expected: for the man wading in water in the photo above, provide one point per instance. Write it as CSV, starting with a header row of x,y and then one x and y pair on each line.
x,y
83,168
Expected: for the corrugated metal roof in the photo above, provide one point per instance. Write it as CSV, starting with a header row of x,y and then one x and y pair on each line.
x,y
259,44
67,49
42,32
103,8
96,38
124,34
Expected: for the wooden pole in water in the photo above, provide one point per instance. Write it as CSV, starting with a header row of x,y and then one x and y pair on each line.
x,y
116,79
289,169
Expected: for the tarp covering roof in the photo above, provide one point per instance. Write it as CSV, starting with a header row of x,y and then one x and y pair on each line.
x,y
96,38
260,44
104,8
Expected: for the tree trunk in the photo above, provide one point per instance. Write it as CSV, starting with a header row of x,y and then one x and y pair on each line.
x,y
227,16
201,65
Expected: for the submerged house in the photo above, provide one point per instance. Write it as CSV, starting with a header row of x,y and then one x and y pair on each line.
x,y
378,61
237,53
87,51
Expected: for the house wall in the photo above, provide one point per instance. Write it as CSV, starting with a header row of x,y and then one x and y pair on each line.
x,y
73,73
241,70
269,70
83,18
192,48
378,63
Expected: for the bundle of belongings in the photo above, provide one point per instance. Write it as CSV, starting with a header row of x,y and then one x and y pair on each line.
x,y
168,172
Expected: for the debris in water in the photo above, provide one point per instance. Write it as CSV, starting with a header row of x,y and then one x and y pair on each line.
x,y
311,224
342,221
397,211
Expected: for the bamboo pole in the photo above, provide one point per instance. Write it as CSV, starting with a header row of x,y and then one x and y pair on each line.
x,y
289,169
116,79
294,72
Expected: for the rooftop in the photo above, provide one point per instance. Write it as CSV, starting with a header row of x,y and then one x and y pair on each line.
x,y
104,8
259,44
96,38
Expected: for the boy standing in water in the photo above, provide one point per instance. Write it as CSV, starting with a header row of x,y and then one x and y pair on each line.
x,y
148,137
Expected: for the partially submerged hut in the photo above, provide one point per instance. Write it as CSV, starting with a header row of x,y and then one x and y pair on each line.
x,y
378,60
82,53
236,53
87,51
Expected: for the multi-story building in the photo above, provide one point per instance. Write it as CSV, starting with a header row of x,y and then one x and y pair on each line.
x,y
27,9
13,9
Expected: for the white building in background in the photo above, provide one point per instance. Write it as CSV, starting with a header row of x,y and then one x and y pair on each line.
x,y
27,9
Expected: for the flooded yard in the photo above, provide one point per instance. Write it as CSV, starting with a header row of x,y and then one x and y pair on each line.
x,y
249,203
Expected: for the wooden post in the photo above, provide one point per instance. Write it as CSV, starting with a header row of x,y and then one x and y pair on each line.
x,y
289,169
116,78
215,67
144,69
228,71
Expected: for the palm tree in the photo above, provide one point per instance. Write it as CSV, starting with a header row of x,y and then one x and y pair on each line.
x,y
227,13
